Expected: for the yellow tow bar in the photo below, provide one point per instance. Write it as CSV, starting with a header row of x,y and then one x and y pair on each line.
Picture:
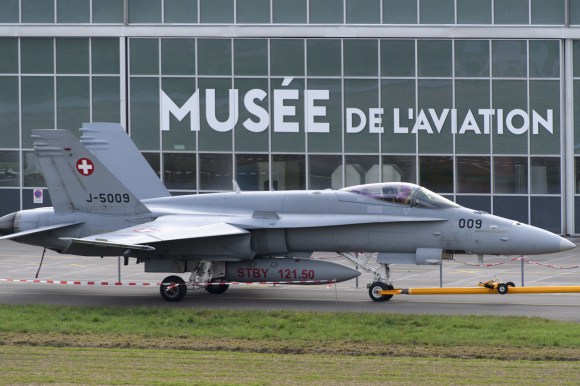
x,y
481,290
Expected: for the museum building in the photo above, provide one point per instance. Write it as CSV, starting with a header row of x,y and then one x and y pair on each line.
x,y
478,100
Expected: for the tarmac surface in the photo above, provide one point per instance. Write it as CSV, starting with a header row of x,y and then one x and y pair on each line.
x,y
20,262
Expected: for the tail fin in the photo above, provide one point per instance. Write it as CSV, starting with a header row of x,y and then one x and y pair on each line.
x,y
77,180
112,146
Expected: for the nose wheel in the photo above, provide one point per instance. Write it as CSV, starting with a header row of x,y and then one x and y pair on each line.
x,y
375,289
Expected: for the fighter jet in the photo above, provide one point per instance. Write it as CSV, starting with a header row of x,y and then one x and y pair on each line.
x,y
248,236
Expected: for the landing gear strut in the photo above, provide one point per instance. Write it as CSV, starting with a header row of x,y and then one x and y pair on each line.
x,y
381,280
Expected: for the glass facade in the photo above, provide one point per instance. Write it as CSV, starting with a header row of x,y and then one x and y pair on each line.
x,y
484,121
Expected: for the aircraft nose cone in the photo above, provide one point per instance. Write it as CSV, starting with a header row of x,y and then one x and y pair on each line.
x,y
566,245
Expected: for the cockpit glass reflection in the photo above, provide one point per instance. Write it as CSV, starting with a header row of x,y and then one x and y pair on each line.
x,y
402,193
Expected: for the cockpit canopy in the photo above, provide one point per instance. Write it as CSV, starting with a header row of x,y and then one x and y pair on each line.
x,y
402,193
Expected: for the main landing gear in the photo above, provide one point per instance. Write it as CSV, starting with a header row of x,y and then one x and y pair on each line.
x,y
174,288
381,280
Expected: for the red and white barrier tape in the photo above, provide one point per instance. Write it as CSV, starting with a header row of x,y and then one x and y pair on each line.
x,y
521,258
146,284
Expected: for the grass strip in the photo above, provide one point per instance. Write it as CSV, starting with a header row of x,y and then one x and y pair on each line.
x,y
293,332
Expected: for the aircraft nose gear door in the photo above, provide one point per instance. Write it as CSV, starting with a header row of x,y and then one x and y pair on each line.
x,y
381,280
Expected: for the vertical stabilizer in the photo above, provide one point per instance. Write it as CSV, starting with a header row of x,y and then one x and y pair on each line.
x,y
77,180
112,146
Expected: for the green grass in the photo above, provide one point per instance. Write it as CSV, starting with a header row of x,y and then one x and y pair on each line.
x,y
162,345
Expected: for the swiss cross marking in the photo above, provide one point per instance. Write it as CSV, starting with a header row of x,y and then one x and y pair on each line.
x,y
85,166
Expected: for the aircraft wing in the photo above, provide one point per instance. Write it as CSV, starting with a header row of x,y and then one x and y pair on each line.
x,y
140,237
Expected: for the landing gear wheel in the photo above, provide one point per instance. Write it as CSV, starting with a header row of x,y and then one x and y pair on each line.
x,y
217,288
510,284
173,289
376,287
502,289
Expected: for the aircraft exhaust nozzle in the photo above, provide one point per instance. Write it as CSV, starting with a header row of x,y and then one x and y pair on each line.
x,y
7,224
293,271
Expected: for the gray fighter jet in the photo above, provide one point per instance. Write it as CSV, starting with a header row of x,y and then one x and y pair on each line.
x,y
246,236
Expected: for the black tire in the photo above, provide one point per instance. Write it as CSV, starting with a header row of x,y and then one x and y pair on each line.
x,y
378,286
217,288
502,289
510,284
173,289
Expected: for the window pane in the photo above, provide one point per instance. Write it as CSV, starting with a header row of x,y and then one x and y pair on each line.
x,y
72,102
434,58
251,57
105,55
397,97
574,20
144,11
399,12
215,172
511,12
475,202
106,99
577,182
360,57
324,57
37,11
509,58
253,11
179,171
288,172
72,56
363,11
256,139
108,11
252,172
546,213
9,11
548,12
9,112
399,168
545,97
178,56
326,11
8,56
436,173
544,58
73,11
515,208
288,117
144,56
360,95
577,117
325,172
32,171
511,97
397,57
179,136
180,11
473,11
470,97
37,106
144,112
287,57
472,58
214,56
473,175
216,11
434,127
153,159
436,12
545,175
510,175
332,140
37,56
9,169
289,11
216,128
361,169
